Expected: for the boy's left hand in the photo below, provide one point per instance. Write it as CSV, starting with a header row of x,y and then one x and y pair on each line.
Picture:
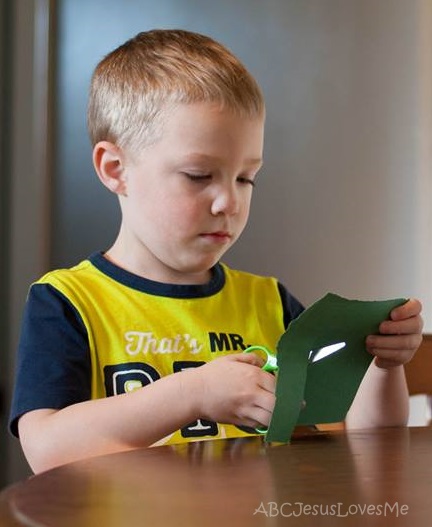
x,y
399,337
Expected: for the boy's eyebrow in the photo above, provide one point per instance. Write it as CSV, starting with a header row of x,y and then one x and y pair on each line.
x,y
197,157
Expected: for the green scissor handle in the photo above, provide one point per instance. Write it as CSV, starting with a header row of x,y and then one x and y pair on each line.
x,y
270,366
271,359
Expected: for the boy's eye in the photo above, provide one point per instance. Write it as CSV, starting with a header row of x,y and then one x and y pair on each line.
x,y
206,177
197,177
246,181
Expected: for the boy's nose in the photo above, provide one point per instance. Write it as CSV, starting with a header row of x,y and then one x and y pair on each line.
x,y
226,201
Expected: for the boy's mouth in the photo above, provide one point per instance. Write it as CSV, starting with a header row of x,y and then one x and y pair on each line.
x,y
217,236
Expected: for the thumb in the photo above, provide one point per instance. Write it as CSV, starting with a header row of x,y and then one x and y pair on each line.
x,y
249,358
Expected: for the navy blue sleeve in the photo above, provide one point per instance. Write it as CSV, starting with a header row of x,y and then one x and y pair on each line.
x,y
53,368
292,308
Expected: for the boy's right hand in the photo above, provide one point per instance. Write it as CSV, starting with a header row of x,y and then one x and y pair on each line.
x,y
235,390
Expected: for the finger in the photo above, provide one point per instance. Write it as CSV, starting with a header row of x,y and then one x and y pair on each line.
x,y
249,358
267,382
385,359
398,344
397,349
259,413
266,401
403,327
262,417
393,342
386,363
411,308
262,421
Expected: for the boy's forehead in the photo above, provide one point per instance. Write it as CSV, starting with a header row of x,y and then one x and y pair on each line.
x,y
202,131
208,117
206,132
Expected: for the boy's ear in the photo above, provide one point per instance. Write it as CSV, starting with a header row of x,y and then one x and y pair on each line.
x,y
108,160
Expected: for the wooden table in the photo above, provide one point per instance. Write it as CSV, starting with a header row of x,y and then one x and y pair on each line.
x,y
324,478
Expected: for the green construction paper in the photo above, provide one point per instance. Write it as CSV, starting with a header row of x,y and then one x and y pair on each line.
x,y
328,386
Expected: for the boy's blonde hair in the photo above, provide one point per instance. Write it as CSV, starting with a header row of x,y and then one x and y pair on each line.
x,y
133,85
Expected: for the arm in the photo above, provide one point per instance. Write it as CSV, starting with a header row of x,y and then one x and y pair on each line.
x,y
382,399
231,389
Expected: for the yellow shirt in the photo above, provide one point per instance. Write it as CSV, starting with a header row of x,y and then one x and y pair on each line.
x,y
139,331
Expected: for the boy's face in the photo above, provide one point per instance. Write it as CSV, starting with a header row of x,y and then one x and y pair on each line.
x,y
186,198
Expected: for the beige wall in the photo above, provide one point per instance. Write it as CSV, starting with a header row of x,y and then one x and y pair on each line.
x,y
346,204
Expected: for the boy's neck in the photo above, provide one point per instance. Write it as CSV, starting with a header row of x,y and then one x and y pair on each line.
x,y
169,276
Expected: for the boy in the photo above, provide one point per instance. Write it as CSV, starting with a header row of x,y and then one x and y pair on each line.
x,y
156,322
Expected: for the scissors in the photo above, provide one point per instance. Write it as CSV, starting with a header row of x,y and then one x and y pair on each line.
x,y
271,364
314,355
270,358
